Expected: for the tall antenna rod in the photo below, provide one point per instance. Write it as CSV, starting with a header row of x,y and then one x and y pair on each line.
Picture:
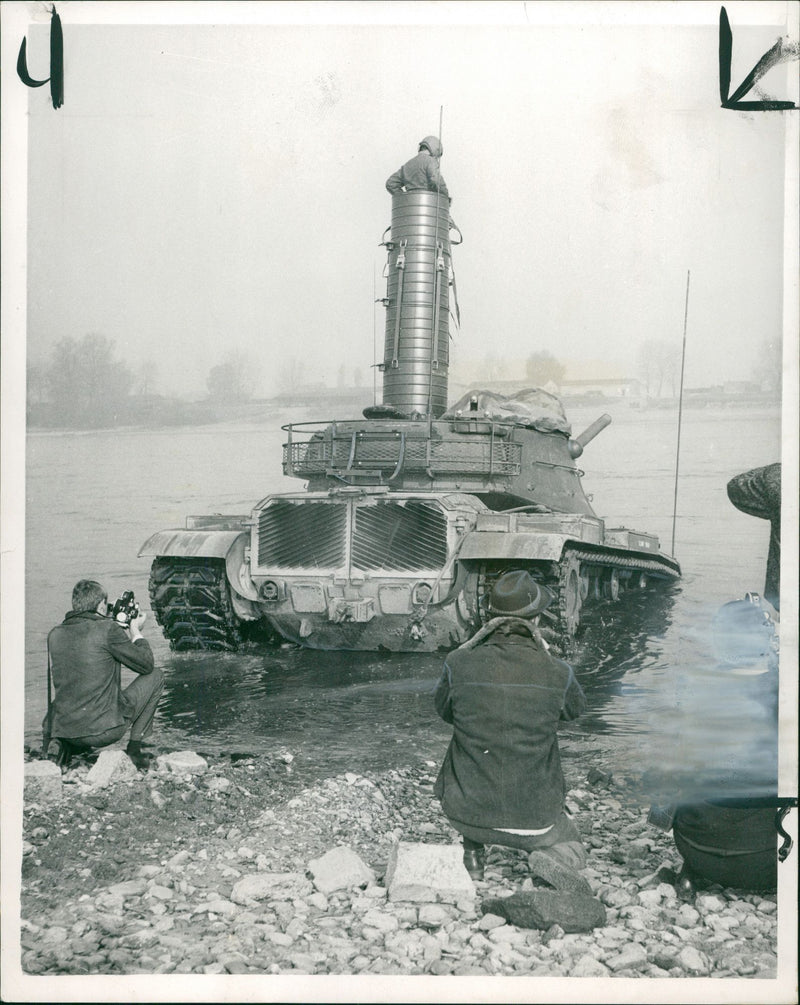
x,y
374,342
434,332
680,414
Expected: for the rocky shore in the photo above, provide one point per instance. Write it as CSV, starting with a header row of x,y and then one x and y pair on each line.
x,y
212,865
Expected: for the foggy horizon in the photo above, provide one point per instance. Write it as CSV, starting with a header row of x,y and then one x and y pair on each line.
x,y
223,189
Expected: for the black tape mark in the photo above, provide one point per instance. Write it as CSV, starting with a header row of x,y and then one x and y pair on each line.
x,y
56,78
781,52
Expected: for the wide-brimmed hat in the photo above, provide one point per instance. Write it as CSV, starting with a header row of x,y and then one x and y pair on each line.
x,y
517,594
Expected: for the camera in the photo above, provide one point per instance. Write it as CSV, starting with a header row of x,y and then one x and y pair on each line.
x,y
124,610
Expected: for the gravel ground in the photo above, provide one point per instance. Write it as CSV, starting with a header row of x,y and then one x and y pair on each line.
x,y
139,878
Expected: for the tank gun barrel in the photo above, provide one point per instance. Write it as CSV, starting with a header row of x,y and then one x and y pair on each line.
x,y
576,446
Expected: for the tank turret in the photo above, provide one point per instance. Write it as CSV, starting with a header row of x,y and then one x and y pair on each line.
x,y
410,512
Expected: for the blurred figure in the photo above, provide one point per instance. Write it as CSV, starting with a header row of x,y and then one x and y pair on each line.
x,y
758,493
725,829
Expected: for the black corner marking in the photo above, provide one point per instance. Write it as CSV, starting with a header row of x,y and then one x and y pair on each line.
x,y
781,52
56,78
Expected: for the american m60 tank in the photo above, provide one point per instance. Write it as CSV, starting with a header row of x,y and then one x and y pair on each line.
x,y
411,511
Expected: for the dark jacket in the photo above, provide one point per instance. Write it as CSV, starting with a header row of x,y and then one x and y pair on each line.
x,y
86,651
421,172
505,698
758,493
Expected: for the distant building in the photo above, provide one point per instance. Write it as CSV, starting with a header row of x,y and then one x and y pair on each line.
x,y
740,387
601,387
610,387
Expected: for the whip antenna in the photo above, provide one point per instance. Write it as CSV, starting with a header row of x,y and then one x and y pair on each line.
x,y
374,367
680,414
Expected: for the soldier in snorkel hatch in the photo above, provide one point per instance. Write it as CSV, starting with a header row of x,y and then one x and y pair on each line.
x,y
421,173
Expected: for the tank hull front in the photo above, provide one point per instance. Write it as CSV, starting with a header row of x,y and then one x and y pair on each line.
x,y
443,629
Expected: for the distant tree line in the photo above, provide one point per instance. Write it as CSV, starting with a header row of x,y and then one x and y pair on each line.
x,y
86,384
83,384
543,368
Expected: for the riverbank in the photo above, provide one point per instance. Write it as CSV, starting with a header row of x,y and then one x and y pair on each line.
x,y
140,877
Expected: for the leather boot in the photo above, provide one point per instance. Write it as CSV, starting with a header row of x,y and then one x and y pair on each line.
x,y
139,757
474,862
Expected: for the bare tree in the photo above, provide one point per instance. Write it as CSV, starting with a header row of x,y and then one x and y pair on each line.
x,y
147,377
233,379
659,365
542,367
87,385
37,383
291,374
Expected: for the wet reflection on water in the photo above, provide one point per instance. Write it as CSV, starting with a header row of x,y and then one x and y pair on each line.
x,y
333,711
646,665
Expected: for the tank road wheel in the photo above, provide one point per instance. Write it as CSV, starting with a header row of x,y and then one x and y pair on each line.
x,y
611,584
570,597
192,603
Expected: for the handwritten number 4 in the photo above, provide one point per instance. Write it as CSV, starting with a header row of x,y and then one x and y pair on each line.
x,y
781,52
56,77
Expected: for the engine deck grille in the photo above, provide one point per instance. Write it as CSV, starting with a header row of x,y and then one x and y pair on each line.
x,y
308,535
396,535
399,537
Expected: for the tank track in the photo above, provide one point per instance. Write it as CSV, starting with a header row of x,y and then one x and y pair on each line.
x,y
569,581
572,567
191,600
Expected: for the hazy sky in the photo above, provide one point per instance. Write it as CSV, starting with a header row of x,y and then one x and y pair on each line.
x,y
208,188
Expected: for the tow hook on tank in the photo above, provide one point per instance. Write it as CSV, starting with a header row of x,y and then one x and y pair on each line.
x,y
418,632
340,610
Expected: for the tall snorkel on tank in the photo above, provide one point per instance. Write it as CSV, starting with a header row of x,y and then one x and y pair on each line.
x,y
416,347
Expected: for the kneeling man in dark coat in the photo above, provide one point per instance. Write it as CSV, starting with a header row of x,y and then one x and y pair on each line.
x,y
501,781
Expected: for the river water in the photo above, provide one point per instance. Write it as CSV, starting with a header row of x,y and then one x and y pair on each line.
x,y
94,497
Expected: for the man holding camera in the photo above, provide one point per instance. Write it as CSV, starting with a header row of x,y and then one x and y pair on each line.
x,y
86,651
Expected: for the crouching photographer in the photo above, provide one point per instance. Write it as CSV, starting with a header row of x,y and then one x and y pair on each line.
x,y
90,708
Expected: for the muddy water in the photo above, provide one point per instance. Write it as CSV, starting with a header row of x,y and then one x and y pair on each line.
x,y
93,498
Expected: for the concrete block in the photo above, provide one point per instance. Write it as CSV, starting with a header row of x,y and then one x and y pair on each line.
x,y
270,886
425,873
339,869
182,762
111,766
42,781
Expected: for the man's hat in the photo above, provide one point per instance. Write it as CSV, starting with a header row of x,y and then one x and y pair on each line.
x,y
518,595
